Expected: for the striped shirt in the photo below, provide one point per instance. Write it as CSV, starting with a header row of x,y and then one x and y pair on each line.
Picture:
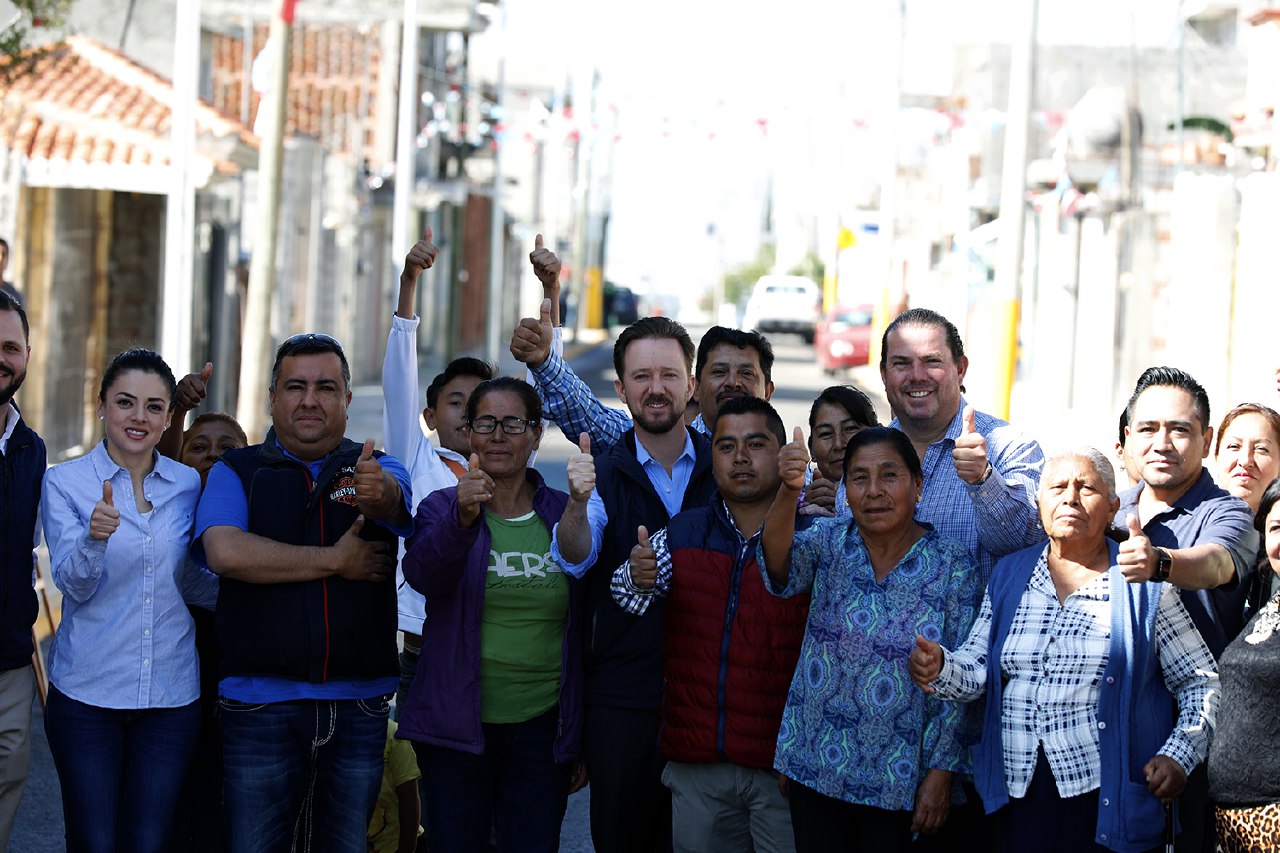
x,y
1053,660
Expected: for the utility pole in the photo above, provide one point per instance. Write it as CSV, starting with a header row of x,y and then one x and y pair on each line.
x,y
1013,193
257,360
406,133
497,223
179,231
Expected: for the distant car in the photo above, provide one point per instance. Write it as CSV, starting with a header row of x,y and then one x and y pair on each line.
x,y
843,338
784,303
623,308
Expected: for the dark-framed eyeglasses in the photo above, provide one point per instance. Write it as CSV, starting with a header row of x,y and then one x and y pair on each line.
x,y
510,425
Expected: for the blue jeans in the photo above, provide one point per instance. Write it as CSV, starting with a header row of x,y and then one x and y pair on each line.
x,y
120,771
515,787
303,774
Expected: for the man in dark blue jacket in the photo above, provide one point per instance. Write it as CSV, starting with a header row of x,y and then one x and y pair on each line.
x,y
21,473
302,530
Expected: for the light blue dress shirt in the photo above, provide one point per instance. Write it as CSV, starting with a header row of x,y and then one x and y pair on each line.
x,y
127,640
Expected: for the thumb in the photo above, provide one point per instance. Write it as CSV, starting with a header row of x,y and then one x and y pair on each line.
x,y
1135,529
356,526
427,235
927,646
366,452
797,435
206,371
544,312
473,464
969,424
584,442
106,493
642,534
537,242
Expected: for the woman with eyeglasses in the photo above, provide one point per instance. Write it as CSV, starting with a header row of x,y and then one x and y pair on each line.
x,y
123,711
496,718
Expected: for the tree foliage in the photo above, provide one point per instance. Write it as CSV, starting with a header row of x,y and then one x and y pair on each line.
x,y
739,280
25,36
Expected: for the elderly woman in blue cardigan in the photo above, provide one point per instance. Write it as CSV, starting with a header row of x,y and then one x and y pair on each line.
x,y
1080,668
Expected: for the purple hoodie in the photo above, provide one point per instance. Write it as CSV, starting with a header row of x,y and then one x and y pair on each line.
x,y
449,565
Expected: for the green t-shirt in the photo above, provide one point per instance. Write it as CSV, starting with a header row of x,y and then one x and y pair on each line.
x,y
526,608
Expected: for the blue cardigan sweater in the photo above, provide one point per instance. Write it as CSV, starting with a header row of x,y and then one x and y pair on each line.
x,y
1135,709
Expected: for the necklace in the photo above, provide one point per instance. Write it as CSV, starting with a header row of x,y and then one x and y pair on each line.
x,y
1266,623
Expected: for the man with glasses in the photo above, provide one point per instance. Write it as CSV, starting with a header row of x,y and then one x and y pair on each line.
x,y
302,530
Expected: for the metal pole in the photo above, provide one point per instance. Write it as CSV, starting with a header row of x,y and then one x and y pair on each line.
x,y
497,226
1182,85
179,236
1013,192
254,369
406,133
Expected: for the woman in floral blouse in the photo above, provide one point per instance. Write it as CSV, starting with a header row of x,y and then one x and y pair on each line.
x,y
871,760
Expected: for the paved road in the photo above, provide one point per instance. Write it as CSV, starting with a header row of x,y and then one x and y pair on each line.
x,y
797,381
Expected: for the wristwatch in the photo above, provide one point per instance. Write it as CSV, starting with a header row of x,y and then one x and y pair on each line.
x,y
1164,562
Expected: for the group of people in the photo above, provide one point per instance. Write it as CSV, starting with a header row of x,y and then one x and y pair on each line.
x,y
919,635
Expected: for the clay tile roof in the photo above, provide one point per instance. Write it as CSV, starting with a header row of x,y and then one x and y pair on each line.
x,y
84,106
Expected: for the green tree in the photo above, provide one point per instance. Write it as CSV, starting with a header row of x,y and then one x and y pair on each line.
x,y
739,280
26,36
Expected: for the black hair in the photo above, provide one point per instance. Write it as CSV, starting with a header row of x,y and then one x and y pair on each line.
x,y
8,303
652,327
310,344
144,360
924,317
849,398
1269,497
1124,425
211,417
1172,377
523,390
752,406
885,435
464,366
739,339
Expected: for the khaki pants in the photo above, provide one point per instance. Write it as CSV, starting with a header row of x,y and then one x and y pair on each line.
x,y
17,690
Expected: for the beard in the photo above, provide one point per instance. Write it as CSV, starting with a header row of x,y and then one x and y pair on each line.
x,y
659,423
7,391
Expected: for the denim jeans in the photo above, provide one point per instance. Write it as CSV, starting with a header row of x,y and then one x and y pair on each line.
x,y
302,774
120,771
515,787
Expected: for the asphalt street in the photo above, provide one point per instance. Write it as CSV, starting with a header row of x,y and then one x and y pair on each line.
x,y
797,380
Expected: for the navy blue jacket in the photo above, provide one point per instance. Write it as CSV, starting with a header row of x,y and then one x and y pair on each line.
x,y
624,652
317,630
21,475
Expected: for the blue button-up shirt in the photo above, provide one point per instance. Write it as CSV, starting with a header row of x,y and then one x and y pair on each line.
x,y
127,640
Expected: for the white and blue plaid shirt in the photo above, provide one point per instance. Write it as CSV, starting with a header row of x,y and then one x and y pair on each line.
x,y
1054,658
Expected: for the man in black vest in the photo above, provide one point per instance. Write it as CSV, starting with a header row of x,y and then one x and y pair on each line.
x,y
302,530
656,469
21,473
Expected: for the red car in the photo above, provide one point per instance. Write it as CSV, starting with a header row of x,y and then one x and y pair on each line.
x,y
843,338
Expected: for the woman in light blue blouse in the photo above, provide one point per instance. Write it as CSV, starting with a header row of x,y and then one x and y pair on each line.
x,y
871,761
123,710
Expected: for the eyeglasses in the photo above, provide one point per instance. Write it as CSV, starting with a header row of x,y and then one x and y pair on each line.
x,y
294,340
510,426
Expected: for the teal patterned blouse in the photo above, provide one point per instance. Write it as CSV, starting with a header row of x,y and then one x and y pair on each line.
x,y
856,727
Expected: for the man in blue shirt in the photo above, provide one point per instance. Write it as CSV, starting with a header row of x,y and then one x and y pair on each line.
x,y
21,473
980,475
302,530
1184,529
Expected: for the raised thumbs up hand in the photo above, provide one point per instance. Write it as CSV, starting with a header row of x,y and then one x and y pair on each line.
x,y
1137,558
581,470
475,489
793,461
546,266
819,497
970,451
925,663
531,341
644,562
421,257
105,518
193,388
371,480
